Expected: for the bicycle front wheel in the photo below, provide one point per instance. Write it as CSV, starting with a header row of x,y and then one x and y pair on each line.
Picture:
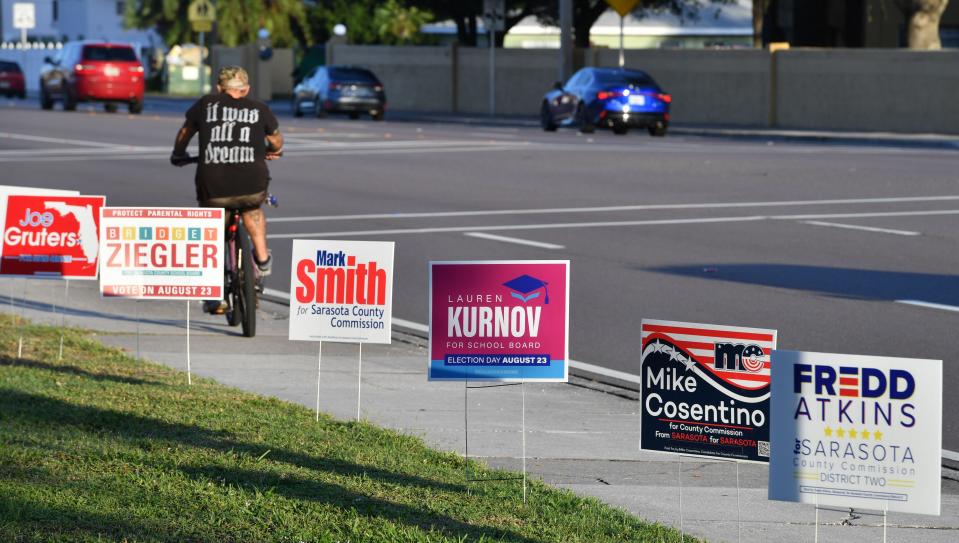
x,y
246,274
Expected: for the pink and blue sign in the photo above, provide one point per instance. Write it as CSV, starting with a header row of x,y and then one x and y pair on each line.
x,y
499,320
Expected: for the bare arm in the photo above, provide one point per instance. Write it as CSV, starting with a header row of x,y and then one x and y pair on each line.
x,y
183,137
275,149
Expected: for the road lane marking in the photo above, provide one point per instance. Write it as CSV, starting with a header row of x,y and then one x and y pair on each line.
x,y
557,225
518,241
865,228
43,139
601,209
929,305
120,154
867,215
516,227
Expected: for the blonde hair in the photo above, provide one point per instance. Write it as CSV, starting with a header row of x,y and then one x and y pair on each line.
x,y
233,77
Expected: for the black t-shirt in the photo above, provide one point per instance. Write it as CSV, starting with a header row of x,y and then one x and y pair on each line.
x,y
232,146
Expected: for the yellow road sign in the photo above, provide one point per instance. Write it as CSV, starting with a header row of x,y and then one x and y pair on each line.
x,y
202,26
201,11
622,7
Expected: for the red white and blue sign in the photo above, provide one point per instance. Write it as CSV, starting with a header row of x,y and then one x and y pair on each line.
x,y
857,431
705,389
499,321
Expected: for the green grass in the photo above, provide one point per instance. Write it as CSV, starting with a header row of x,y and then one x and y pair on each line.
x,y
101,447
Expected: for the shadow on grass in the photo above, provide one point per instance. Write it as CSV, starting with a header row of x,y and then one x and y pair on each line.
x,y
75,371
38,410
61,523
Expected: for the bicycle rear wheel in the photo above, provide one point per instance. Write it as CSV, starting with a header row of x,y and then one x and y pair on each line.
x,y
246,287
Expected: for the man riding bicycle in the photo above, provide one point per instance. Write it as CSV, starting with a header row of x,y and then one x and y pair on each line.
x,y
237,136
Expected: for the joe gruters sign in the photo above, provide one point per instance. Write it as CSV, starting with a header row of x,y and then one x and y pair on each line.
x,y
856,431
499,321
341,291
705,389
161,253
51,236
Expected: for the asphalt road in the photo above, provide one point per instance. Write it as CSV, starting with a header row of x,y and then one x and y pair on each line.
x,y
837,247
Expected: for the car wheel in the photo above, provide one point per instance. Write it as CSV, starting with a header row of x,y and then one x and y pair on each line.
x,y
658,130
354,115
110,107
582,119
620,129
45,101
135,107
22,95
377,115
546,118
318,109
296,109
69,101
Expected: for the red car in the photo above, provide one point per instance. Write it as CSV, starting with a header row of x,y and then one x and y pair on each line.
x,y
11,80
93,72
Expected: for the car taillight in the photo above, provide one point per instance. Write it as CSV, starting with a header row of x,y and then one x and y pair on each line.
x,y
137,69
334,86
602,95
82,67
665,98
378,88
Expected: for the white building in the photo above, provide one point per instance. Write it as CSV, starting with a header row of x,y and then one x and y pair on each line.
x,y
68,20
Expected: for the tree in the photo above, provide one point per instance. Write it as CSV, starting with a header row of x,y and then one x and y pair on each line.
x,y
586,12
466,14
398,24
237,20
923,18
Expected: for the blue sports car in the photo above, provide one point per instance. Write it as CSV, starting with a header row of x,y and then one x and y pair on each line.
x,y
613,98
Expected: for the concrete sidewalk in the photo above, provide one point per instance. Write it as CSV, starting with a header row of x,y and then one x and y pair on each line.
x,y
578,437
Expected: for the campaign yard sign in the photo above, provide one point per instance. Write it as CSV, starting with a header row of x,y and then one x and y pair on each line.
x,y
705,389
51,235
499,321
856,431
161,253
341,291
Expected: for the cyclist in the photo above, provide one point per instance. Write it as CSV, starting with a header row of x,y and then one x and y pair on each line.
x,y
237,136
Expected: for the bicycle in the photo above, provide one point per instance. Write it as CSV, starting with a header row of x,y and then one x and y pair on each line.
x,y
241,276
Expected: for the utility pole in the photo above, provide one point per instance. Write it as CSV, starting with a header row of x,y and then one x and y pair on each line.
x,y
565,39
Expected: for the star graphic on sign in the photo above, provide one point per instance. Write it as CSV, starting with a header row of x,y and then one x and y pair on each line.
x,y
840,432
864,434
852,433
676,355
877,435
657,346
689,363
827,431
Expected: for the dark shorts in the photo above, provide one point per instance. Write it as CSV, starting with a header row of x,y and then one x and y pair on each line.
x,y
243,202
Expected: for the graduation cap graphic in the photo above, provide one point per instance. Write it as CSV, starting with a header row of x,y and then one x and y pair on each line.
x,y
526,287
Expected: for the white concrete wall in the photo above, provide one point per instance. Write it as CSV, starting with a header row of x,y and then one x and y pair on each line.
x,y
708,86
869,89
415,78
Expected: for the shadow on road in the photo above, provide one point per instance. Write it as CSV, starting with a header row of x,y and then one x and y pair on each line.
x,y
838,282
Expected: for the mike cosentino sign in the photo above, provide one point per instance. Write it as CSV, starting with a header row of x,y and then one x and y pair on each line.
x,y
341,291
705,389
499,320
856,431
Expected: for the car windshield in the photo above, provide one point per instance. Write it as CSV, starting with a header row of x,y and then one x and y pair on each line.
x,y
122,54
636,79
352,74
9,67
